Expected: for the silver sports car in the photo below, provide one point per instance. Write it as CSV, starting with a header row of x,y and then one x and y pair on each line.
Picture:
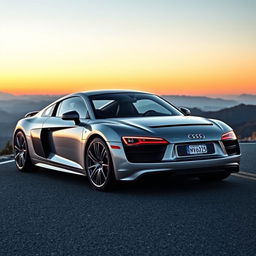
x,y
121,135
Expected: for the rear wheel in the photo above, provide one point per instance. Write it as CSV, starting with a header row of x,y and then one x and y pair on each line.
x,y
214,176
21,153
99,165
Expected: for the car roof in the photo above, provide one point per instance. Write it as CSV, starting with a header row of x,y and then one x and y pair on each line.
x,y
98,92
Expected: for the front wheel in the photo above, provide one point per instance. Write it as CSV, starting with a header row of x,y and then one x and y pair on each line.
x,y
99,165
21,153
215,176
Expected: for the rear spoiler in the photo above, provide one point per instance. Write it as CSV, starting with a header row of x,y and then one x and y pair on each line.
x,y
29,114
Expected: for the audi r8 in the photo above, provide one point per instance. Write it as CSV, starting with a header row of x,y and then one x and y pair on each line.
x,y
117,135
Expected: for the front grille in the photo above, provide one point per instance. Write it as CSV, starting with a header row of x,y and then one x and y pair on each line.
x,y
232,147
144,153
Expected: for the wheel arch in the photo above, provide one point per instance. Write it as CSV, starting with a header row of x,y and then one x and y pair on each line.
x,y
89,140
18,129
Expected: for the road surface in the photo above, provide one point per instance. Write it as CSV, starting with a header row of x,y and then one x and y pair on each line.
x,y
50,213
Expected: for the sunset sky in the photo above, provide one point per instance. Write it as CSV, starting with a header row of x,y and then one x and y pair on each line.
x,y
163,46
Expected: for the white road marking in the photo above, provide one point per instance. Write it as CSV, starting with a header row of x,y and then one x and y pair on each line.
x,y
244,176
248,174
6,162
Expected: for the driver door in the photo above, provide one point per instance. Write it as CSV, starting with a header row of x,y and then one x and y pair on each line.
x,y
65,136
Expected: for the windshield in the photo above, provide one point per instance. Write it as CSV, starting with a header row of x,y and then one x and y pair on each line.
x,y
116,105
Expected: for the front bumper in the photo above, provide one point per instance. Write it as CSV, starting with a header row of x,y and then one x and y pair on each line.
x,y
125,170
134,171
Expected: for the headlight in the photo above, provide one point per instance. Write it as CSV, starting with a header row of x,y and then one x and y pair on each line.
x,y
134,140
229,136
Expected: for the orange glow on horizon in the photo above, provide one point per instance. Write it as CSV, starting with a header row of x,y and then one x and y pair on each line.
x,y
194,77
164,47
197,85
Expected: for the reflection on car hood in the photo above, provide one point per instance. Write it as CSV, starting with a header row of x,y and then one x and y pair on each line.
x,y
164,121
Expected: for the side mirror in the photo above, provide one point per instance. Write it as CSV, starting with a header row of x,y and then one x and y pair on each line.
x,y
29,114
185,111
71,115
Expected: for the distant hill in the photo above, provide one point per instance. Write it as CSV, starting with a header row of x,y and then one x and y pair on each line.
x,y
246,99
203,103
6,96
8,101
12,108
37,97
242,118
24,103
209,103
19,106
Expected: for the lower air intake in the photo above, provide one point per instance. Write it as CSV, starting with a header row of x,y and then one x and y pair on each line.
x,y
144,153
232,147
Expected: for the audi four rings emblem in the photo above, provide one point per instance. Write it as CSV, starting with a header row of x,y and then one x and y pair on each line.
x,y
196,136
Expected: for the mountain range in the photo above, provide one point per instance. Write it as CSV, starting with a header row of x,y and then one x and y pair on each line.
x,y
202,102
233,110
209,103
242,118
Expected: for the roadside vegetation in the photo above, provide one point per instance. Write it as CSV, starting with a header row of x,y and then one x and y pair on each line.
x,y
7,150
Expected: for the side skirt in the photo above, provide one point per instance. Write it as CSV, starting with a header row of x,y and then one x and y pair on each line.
x,y
58,169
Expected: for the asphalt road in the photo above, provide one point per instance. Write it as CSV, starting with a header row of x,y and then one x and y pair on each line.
x,y
49,213
248,160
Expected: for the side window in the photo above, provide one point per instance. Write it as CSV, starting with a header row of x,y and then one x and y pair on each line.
x,y
72,104
49,111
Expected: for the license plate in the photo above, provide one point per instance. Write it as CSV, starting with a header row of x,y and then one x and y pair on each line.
x,y
196,149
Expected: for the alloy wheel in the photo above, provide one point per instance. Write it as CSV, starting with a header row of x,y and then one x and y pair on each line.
x,y
98,163
20,150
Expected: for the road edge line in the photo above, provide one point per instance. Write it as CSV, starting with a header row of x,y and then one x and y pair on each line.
x,y
6,162
244,176
248,174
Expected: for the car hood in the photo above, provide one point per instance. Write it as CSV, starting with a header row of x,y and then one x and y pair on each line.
x,y
164,121
172,128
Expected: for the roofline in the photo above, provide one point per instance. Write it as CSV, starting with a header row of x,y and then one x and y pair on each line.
x,y
98,92
91,93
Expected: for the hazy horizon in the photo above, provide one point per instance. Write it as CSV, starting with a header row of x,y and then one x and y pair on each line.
x,y
171,94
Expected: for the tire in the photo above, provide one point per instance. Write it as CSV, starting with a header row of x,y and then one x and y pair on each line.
x,y
99,166
215,176
21,153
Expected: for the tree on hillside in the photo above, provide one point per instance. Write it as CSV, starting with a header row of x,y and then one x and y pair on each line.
x,y
7,149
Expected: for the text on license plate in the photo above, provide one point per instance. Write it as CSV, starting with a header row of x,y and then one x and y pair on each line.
x,y
196,149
